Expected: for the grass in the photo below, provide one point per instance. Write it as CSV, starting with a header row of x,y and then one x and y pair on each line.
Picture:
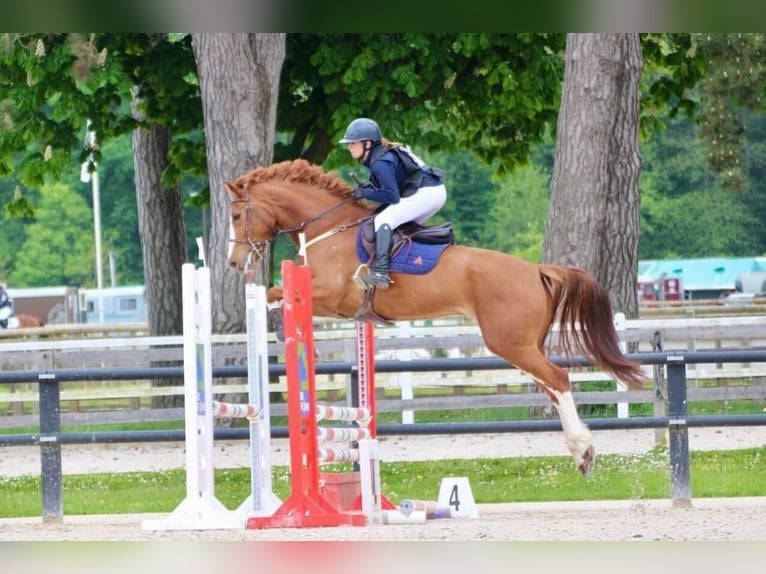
x,y
533,479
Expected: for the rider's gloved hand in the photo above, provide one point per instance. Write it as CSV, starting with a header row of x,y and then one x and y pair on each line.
x,y
358,193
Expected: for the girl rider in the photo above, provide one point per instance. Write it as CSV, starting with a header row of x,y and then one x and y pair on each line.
x,y
409,189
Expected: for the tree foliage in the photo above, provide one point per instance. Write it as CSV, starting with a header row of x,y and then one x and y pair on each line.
x,y
516,222
58,249
735,84
684,210
471,195
493,94
52,84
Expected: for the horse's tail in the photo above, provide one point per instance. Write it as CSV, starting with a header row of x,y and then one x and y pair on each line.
x,y
581,306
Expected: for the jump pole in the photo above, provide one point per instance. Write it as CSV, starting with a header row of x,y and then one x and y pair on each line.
x,y
200,509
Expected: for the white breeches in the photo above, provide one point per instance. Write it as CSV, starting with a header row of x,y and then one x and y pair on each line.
x,y
418,207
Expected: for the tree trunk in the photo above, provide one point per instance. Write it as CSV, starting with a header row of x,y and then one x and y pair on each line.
x,y
162,231
239,82
593,217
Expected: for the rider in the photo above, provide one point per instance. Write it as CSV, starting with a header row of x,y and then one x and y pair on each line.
x,y
6,308
409,189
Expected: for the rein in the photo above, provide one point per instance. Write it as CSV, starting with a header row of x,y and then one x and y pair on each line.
x,y
259,247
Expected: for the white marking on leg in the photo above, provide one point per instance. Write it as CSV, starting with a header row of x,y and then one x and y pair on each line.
x,y
577,434
570,420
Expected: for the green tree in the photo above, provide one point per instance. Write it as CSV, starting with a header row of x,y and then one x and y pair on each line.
x,y
13,227
119,218
733,85
754,154
472,193
517,219
684,210
493,94
704,223
51,84
59,248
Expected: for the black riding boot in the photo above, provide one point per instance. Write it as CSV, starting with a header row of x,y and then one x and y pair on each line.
x,y
378,276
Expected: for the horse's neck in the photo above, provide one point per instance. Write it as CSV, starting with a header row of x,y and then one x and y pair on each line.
x,y
297,208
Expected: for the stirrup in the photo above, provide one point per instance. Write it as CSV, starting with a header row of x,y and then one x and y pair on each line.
x,y
376,279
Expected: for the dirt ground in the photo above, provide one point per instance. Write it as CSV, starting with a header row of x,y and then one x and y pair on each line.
x,y
739,519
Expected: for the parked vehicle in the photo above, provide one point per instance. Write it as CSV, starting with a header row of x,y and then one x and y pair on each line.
x,y
62,305
120,304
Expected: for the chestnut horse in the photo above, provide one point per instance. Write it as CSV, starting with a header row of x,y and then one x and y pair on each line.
x,y
29,321
21,321
514,302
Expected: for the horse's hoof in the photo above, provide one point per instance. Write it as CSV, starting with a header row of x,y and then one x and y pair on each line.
x,y
588,461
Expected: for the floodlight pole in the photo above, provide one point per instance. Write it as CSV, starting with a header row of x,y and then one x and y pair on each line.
x,y
85,176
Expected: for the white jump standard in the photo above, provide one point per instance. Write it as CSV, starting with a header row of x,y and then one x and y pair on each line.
x,y
200,509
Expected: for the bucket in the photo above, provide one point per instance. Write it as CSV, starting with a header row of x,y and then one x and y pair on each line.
x,y
340,489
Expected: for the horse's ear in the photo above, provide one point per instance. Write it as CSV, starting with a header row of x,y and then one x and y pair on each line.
x,y
234,193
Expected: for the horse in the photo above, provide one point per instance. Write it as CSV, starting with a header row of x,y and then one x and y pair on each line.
x,y
515,302
28,321
21,321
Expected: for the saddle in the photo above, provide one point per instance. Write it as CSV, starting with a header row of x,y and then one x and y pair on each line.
x,y
406,234
415,249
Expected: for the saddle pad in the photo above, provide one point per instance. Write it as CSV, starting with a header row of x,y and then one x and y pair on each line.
x,y
415,258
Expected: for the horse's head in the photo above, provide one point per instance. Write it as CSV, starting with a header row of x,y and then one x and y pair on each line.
x,y
285,197
250,229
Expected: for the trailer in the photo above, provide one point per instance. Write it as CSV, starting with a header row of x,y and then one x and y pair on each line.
x,y
54,305
120,304
66,305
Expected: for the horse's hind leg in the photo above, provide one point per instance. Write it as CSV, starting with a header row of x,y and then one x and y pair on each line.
x,y
578,436
554,382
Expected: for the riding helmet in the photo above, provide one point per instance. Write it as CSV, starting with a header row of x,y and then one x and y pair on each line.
x,y
362,129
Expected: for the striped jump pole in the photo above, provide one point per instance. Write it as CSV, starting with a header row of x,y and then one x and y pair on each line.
x,y
370,501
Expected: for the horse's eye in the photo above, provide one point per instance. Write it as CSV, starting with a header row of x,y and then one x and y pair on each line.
x,y
235,217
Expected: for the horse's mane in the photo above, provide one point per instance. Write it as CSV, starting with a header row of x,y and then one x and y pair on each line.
x,y
300,171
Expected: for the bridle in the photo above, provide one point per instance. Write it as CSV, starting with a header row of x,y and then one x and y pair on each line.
x,y
259,247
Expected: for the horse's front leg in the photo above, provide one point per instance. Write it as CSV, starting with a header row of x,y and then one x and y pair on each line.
x,y
276,319
274,295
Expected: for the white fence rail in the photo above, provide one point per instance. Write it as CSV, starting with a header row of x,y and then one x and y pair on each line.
x,y
453,338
